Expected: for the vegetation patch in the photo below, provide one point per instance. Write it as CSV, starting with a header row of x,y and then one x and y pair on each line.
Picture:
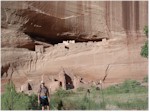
x,y
129,95
136,104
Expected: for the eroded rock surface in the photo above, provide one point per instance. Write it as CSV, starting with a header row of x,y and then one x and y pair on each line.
x,y
82,20
41,40
16,39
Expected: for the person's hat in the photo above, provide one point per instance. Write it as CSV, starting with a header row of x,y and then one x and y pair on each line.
x,y
42,82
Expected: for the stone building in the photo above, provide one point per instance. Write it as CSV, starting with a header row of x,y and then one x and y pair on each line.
x,y
39,48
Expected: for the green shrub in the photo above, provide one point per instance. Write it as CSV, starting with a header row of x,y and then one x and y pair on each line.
x,y
130,85
146,30
58,97
54,102
63,93
145,79
34,102
136,104
11,100
22,102
127,86
71,104
84,103
144,50
81,89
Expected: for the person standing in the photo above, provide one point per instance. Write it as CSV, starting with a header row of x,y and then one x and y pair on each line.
x,y
43,96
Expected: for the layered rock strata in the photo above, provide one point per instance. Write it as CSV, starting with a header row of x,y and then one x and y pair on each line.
x,y
106,42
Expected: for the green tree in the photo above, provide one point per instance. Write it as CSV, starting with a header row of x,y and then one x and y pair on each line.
x,y
144,50
34,102
146,30
9,97
11,100
22,102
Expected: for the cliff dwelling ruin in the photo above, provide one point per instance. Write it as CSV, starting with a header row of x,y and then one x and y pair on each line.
x,y
84,37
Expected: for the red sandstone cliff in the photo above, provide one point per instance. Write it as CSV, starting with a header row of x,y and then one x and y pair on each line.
x,y
87,20
120,23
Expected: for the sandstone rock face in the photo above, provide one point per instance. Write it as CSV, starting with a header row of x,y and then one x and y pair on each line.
x,y
79,20
106,43
14,39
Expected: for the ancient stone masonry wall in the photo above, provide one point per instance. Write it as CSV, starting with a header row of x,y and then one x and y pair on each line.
x,y
83,36
86,59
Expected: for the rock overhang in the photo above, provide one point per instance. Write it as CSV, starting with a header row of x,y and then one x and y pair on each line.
x,y
59,22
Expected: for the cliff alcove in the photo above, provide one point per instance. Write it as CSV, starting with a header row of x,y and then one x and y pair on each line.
x,y
40,37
